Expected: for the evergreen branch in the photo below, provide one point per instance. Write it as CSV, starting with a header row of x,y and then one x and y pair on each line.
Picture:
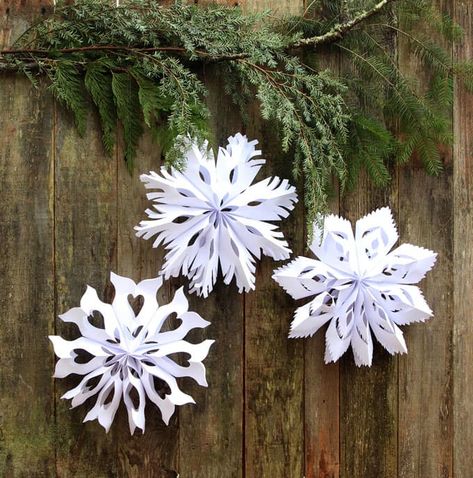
x,y
413,39
125,92
341,29
98,82
371,65
139,66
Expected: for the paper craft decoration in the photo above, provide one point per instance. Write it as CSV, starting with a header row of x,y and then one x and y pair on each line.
x,y
210,213
129,356
359,286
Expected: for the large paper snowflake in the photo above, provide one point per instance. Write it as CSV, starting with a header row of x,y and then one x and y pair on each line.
x,y
129,357
359,286
210,214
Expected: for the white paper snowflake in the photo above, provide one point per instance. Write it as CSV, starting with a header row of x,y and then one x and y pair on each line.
x,y
211,214
129,356
359,286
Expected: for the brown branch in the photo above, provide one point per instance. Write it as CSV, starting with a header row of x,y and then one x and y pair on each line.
x,y
332,35
12,67
167,49
35,66
337,32
38,51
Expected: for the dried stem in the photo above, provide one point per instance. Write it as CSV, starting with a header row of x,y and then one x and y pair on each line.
x,y
338,31
166,49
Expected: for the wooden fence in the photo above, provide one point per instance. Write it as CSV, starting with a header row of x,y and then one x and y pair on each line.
x,y
272,409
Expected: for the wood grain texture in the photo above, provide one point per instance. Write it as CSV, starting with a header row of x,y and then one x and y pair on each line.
x,y
27,439
274,365
463,256
17,15
321,381
278,7
211,432
154,453
274,369
26,281
322,404
85,253
426,372
368,396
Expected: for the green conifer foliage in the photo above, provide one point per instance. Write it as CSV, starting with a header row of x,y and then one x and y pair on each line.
x,y
139,66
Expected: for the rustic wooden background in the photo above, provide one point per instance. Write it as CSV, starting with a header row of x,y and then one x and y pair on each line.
x,y
272,409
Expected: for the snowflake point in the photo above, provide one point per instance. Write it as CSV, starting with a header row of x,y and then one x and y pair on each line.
x,y
130,353
359,285
211,216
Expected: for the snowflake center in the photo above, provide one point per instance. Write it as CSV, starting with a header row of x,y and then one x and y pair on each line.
x,y
359,281
131,350
128,357
218,212
120,362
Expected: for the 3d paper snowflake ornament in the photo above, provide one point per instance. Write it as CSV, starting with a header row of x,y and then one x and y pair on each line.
x,y
359,286
211,214
129,356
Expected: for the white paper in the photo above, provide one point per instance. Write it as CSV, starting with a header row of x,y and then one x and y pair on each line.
x,y
358,286
130,352
211,215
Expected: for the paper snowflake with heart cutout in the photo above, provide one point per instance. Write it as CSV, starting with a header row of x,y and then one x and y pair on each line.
x,y
129,357
210,214
358,285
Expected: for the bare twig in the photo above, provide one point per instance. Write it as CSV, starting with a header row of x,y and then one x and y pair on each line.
x,y
12,67
165,49
341,29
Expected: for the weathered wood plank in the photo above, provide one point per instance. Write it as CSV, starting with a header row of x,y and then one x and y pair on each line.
x,y
27,280
154,453
463,256
27,268
321,381
85,240
274,365
322,405
425,373
368,396
211,432
278,7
